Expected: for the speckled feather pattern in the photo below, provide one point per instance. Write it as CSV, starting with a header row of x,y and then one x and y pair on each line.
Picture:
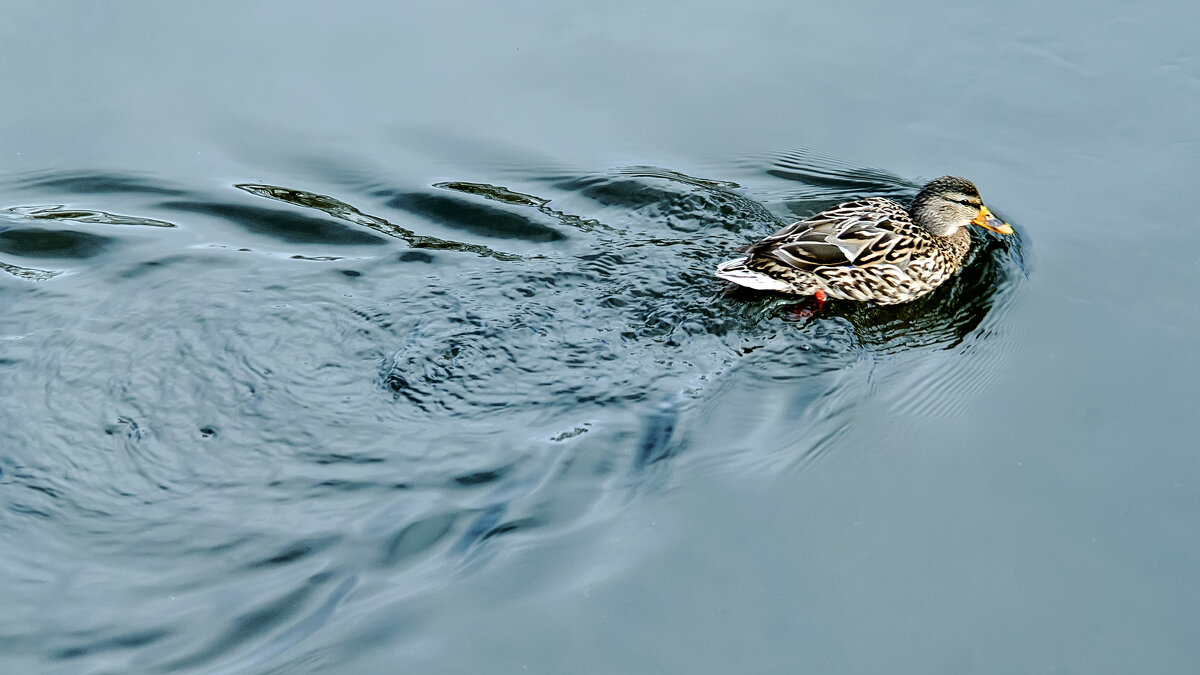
x,y
867,250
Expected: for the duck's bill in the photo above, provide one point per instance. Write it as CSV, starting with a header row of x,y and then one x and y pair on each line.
x,y
987,221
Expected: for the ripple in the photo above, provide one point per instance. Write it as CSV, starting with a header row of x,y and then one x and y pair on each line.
x,y
811,176
62,213
251,446
473,218
344,211
284,226
514,198
95,182
54,244
29,273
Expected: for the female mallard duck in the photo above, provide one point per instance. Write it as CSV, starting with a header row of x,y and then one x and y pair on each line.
x,y
870,250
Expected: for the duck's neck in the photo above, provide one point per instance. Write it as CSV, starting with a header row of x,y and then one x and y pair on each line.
x,y
955,246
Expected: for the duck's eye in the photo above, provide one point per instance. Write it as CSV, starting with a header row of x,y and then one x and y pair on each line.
x,y
966,203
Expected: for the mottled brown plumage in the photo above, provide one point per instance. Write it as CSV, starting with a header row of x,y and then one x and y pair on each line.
x,y
870,250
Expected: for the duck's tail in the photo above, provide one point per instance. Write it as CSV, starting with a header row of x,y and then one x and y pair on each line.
x,y
737,272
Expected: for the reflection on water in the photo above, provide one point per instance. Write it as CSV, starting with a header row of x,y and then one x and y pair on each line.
x,y
41,232
28,273
343,211
61,213
250,447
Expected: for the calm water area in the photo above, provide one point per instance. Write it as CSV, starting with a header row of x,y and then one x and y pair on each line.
x,y
383,337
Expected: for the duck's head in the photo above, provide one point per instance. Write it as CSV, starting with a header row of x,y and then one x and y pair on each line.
x,y
950,203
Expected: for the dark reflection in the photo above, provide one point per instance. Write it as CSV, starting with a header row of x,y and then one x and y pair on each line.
x,y
416,539
57,212
685,203
28,273
296,551
481,528
513,526
480,477
344,211
415,256
84,182
655,444
37,243
286,226
495,193
279,625
507,196
474,218
126,641
343,458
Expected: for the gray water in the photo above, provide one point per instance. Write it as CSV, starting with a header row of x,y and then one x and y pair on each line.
x,y
385,339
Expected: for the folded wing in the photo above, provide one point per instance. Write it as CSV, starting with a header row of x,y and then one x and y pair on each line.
x,y
857,234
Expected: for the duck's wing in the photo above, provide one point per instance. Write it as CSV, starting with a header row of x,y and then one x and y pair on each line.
x,y
855,234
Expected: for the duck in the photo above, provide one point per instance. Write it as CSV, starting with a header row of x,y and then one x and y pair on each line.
x,y
870,250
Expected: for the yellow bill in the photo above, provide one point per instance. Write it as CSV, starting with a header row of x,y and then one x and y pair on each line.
x,y
986,220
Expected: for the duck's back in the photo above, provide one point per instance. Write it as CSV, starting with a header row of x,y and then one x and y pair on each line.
x,y
866,250
858,233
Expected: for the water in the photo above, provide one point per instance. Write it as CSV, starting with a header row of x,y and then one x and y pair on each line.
x,y
386,339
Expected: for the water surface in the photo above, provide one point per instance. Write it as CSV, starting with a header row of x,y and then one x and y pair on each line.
x,y
388,340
